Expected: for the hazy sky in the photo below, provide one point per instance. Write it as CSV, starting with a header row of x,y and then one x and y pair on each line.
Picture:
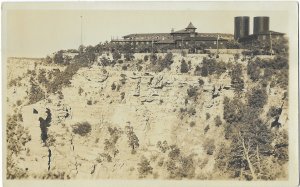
x,y
36,33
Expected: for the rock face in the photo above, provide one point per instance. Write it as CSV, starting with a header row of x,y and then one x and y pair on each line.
x,y
154,106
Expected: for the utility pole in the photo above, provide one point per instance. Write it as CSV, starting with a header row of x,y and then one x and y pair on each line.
x,y
218,45
181,46
271,43
81,31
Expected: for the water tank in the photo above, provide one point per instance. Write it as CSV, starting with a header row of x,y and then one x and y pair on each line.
x,y
261,24
241,27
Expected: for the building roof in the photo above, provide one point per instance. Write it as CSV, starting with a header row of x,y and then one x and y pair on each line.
x,y
134,40
181,31
191,26
254,36
199,38
222,35
270,32
147,35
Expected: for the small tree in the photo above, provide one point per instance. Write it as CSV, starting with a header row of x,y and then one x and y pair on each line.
x,y
144,167
257,98
218,121
116,55
133,140
236,78
184,68
82,128
48,59
58,57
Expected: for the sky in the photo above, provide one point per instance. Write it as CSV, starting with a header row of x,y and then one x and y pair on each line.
x,y
37,33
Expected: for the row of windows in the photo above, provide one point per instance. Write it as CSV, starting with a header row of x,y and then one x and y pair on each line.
x,y
148,37
200,42
179,43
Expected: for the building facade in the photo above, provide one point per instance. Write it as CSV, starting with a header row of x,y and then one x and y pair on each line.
x,y
186,38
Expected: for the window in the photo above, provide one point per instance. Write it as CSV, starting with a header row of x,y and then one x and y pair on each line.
x,y
215,42
264,37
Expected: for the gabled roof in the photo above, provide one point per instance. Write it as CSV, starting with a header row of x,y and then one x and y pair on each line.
x,y
191,26
147,35
181,31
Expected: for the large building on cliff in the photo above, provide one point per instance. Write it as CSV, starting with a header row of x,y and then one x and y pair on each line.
x,y
182,39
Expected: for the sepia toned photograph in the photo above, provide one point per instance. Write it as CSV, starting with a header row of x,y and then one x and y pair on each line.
x,y
158,91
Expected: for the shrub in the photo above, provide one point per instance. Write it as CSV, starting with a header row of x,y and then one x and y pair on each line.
x,y
36,94
206,129
64,78
113,86
197,71
139,67
19,102
58,57
144,167
209,146
42,77
122,95
162,146
257,98
146,57
236,78
192,91
174,152
253,70
116,55
16,139
128,56
124,67
110,144
211,66
192,124
191,111
273,111
218,121
207,116
167,61
80,91
233,110
89,102
105,62
48,60
82,129
184,67
133,140
201,82
236,56
153,58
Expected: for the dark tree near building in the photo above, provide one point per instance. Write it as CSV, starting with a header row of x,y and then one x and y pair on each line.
x,y
90,53
58,57
184,68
